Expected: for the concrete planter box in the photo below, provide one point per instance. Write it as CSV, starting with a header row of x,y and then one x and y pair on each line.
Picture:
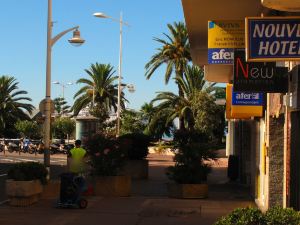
x,y
187,190
23,193
137,169
118,186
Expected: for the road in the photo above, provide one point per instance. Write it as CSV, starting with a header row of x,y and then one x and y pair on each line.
x,y
58,165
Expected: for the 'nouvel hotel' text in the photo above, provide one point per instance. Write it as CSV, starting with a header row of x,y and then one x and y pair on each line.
x,y
272,38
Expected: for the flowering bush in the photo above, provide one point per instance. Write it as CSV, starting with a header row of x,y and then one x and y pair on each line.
x,y
106,155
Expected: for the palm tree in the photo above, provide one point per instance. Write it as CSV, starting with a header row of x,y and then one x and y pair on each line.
x,y
13,106
178,106
174,52
99,91
147,111
61,107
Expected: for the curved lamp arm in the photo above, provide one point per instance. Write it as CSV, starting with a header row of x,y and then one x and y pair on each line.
x,y
58,36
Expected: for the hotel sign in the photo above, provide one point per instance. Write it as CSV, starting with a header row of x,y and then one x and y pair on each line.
x,y
258,76
223,37
272,38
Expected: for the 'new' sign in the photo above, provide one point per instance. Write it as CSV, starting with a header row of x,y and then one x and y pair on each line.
x,y
260,77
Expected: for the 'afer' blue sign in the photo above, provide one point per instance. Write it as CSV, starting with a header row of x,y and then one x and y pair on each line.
x,y
245,98
273,38
220,55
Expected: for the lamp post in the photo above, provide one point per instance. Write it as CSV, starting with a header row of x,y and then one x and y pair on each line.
x,y
121,22
63,86
50,42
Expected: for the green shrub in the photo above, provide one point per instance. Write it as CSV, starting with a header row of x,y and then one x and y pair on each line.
x,y
135,144
253,216
280,216
192,150
26,171
243,216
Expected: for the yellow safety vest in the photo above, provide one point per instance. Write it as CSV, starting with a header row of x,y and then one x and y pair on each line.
x,y
77,164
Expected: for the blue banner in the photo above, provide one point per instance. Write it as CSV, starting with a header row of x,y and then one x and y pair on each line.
x,y
220,55
273,38
246,98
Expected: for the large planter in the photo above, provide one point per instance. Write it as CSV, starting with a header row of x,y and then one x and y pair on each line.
x,y
187,190
137,169
23,193
118,186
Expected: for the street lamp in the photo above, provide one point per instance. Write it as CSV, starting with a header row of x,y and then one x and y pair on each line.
x,y
50,42
121,22
63,86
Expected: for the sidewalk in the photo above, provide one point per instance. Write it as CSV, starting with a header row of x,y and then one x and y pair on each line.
x,y
148,204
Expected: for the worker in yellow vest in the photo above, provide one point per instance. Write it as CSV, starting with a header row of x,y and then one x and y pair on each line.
x,y
77,155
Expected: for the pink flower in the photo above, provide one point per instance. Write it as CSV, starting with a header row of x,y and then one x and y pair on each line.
x,y
106,151
97,154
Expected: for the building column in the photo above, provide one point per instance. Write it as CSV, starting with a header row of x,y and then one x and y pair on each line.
x,y
275,154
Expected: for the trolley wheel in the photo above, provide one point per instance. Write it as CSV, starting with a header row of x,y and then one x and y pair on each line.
x,y
83,203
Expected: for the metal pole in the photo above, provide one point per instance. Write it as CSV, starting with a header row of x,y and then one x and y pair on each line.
x,y
93,95
63,91
48,90
120,79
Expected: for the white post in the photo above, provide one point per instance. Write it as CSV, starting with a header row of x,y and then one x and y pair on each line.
x,y
48,89
50,42
120,79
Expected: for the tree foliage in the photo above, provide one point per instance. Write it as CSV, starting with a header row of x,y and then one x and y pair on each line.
x,y
28,129
174,53
60,106
132,122
209,117
171,106
63,127
99,90
13,105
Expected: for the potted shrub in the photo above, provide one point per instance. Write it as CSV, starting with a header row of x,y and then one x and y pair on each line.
x,y
136,147
189,174
243,216
106,159
250,216
24,183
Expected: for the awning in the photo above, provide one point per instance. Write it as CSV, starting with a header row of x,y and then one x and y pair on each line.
x,y
282,5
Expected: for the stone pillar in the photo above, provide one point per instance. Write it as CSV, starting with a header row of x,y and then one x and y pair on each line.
x,y
79,128
276,159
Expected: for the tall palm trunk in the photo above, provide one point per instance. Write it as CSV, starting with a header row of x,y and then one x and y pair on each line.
x,y
179,73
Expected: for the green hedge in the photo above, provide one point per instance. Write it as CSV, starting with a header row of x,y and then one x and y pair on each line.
x,y
253,216
26,171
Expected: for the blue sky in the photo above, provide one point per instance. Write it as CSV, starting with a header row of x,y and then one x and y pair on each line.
x,y
23,43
